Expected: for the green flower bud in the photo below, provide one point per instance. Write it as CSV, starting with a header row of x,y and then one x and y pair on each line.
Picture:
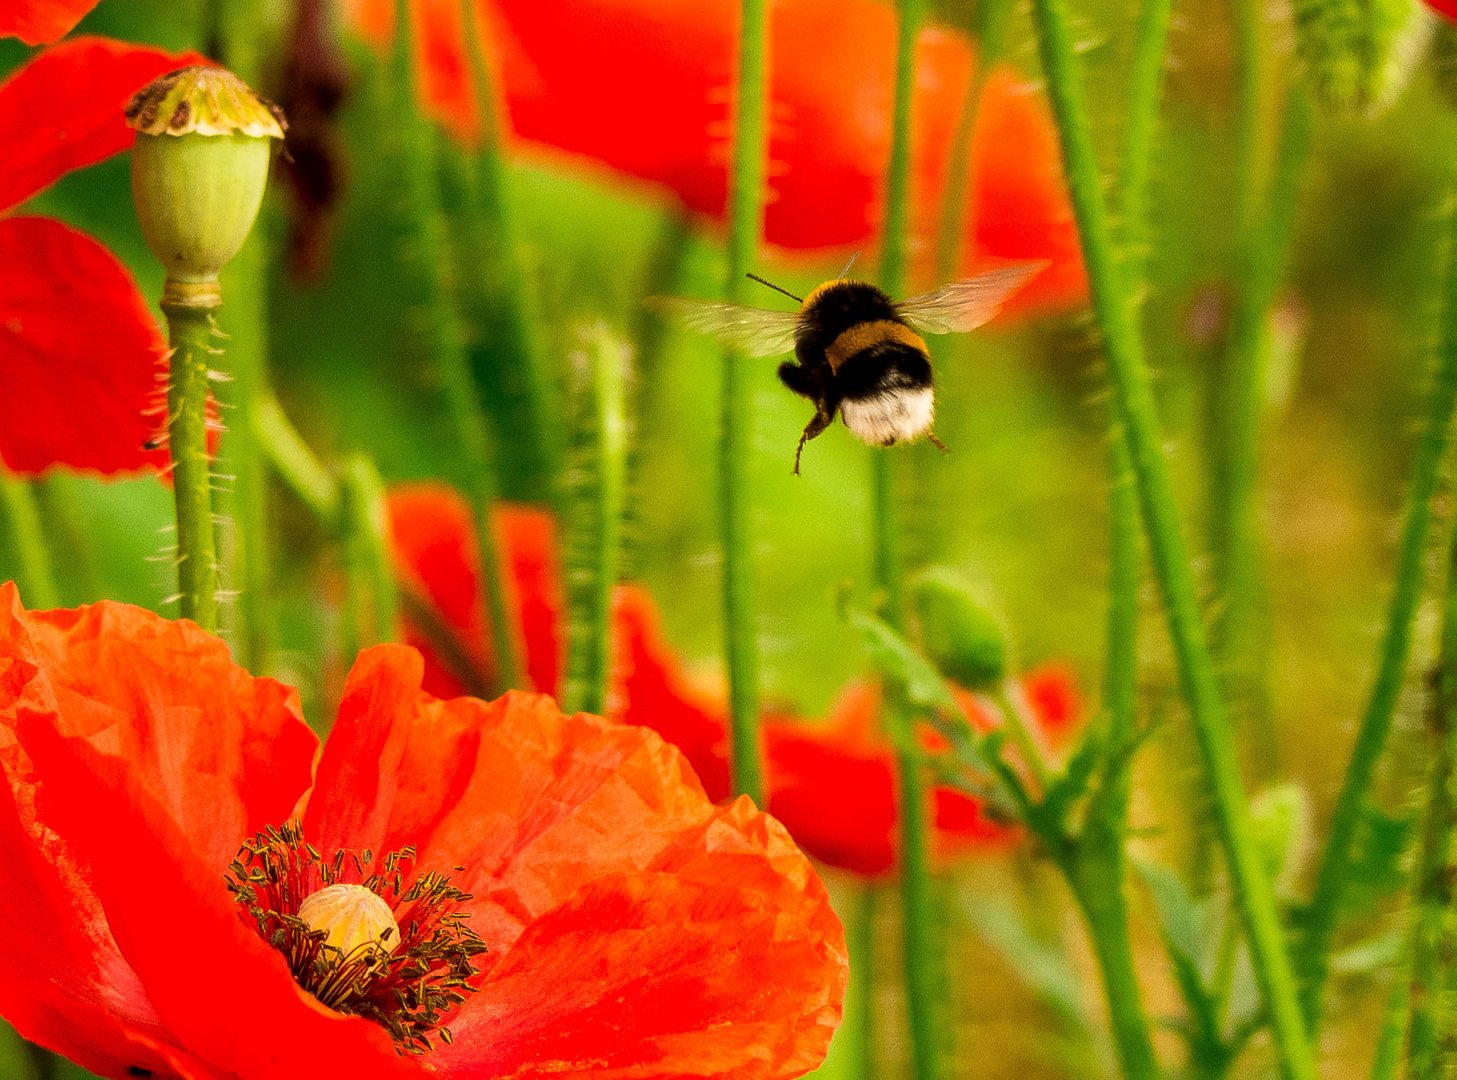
x,y
1359,54
958,634
1280,821
199,166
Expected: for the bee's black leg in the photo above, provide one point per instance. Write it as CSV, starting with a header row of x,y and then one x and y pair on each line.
x,y
937,443
816,425
798,378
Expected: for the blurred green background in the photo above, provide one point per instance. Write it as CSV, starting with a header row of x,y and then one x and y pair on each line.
x,y
1019,505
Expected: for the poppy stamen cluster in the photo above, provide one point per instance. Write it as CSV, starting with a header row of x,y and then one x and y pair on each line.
x,y
407,971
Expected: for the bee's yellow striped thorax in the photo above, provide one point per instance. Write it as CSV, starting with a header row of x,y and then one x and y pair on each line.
x,y
818,291
872,332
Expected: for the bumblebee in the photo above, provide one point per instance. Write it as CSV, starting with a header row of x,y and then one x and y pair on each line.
x,y
859,354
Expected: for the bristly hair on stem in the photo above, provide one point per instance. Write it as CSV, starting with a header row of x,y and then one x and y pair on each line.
x,y
595,503
1131,393
417,161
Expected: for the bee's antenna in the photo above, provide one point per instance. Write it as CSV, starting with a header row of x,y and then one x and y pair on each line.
x,y
849,264
776,288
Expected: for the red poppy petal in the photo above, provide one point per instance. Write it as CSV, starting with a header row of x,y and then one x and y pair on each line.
x,y
77,689
434,543
721,960
219,989
63,982
80,354
649,689
63,109
530,802
1052,691
223,753
39,22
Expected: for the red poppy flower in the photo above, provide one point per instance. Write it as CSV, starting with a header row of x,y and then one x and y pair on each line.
x,y
79,347
1446,8
833,785
644,86
39,22
562,899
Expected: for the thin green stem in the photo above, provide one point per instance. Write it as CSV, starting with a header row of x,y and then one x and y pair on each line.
x,y
1098,873
28,541
294,462
191,333
990,32
922,953
1099,883
1431,887
1313,949
596,502
507,361
446,347
922,947
1016,724
1124,347
1386,1061
249,562
746,217
369,568
1238,635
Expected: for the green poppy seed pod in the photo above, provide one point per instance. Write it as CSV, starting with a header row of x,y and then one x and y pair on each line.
x,y
958,634
199,166
1359,54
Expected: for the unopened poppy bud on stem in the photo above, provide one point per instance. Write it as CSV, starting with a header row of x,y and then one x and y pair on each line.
x,y
959,635
199,166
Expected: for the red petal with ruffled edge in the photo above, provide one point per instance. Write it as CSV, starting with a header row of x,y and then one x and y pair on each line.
x,y
644,86
435,545
63,110
39,22
152,757
633,929
80,354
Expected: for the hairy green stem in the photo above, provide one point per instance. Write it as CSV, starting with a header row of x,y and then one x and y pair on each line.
x,y
1238,635
922,952
596,502
746,217
446,347
507,361
28,541
1098,873
250,561
1431,888
990,33
1131,392
1386,1061
1312,952
191,333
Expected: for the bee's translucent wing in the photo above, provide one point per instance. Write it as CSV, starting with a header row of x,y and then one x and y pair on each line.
x,y
752,331
965,305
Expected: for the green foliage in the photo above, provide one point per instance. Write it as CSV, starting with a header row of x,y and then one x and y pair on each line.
x,y
1359,54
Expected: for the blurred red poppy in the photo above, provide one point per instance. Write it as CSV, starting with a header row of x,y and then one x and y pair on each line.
x,y
1447,8
832,784
645,86
39,22
79,348
161,807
